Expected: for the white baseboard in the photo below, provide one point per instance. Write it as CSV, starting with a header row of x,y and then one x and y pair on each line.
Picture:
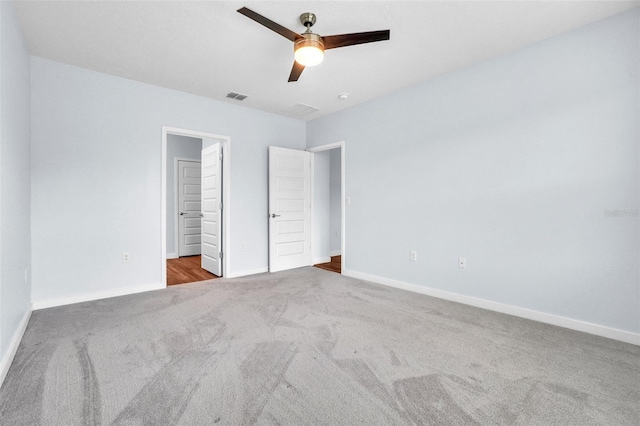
x,y
50,303
247,272
570,323
321,260
335,253
172,255
7,359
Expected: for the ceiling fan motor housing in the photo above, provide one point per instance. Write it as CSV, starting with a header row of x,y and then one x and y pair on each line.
x,y
308,40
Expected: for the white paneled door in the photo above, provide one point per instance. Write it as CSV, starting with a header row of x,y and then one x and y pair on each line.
x,y
289,208
188,208
212,209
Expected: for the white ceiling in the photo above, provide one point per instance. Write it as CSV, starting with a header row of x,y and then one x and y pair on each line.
x,y
209,49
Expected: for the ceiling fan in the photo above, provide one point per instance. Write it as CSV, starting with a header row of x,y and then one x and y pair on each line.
x,y
308,47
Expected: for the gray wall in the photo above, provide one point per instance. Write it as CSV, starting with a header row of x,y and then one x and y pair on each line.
x,y
511,163
96,177
327,206
335,201
206,143
177,147
321,206
15,178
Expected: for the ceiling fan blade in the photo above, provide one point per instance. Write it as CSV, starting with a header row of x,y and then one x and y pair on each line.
x,y
285,32
295,71
342,40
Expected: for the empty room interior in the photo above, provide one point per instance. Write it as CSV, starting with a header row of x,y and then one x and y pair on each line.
x,y
466,174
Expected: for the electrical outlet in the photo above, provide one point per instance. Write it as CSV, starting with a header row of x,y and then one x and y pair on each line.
x,y
348,201
241,247
413,256
462,262
125,257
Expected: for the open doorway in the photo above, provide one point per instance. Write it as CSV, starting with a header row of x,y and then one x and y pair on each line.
x,y
328,207
184,211
298,235
195,207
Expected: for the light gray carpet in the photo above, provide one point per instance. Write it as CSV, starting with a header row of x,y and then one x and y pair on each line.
x,y
310,347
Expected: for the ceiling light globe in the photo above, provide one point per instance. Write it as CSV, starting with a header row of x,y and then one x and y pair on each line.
x,y
309,51
309,56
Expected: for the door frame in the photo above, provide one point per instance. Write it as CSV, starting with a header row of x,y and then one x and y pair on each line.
x,y
343,197
176,201
225,143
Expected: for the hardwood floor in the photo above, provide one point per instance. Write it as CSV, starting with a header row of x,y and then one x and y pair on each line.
x,y
334,266
186,270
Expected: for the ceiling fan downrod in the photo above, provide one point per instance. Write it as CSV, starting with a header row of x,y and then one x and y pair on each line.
x,y
308,19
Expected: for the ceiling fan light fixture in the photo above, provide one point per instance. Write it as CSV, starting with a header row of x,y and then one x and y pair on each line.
x,y
308,50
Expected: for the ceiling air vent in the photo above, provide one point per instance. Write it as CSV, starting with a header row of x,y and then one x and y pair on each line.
x,y
301,109
237,96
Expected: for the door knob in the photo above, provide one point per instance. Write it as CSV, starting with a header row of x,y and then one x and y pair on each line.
x,y
275,215
181,213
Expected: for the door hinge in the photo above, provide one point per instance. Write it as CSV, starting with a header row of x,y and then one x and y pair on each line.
x,y
220,156
220,206
221,255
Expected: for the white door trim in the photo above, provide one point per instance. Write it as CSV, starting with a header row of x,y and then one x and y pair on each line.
x,y
343,197
226,196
